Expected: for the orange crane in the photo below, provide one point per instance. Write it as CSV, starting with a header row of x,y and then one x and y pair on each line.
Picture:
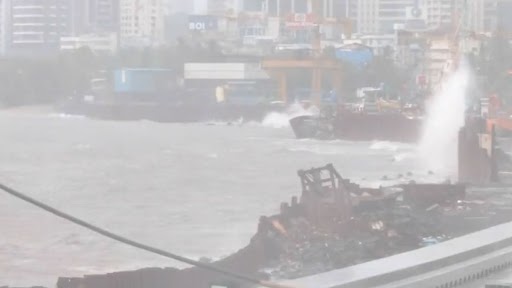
x,y
321,69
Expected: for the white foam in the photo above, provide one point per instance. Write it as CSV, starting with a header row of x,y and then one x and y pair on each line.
x,y
66,116
282,119
384,145
403,156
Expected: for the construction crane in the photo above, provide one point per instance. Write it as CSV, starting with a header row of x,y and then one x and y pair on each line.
x,y
325,73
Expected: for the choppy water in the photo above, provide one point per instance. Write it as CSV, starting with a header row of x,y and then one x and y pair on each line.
x,y
193,189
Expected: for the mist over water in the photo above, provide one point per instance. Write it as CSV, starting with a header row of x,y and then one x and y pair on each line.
x,y
445,116
173,186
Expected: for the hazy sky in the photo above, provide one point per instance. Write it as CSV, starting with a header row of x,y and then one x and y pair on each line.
x,y
200,6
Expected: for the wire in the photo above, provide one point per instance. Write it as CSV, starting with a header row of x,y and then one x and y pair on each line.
x,y
138,245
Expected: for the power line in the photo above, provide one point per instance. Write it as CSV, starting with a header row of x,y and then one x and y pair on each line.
x,y
138,245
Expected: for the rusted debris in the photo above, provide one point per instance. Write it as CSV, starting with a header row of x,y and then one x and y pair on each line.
x,y
426,195
477,153
325,198
335,223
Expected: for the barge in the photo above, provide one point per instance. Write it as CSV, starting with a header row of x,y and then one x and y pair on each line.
x,y
208,92
366,120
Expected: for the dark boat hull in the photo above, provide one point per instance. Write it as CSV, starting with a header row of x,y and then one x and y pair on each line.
x,y
171,112
359,127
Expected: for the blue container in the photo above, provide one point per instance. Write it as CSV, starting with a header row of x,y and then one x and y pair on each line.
x,y
142,81
357,55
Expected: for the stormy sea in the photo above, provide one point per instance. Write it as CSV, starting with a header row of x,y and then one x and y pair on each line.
x,y
193,189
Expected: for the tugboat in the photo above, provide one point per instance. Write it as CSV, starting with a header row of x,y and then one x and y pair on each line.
x,y
371,118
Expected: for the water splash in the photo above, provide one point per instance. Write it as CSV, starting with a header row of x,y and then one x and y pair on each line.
x,y
282,120
384,145
445,117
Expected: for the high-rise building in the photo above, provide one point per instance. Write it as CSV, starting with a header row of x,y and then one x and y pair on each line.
x,y
474,15
37,25
503,19
4,19
94,16
480,15
442,13
278,7
367,16
103,15
142,22
329,8
380,16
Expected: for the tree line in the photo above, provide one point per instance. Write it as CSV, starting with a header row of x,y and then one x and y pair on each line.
x,y
51,79
54,78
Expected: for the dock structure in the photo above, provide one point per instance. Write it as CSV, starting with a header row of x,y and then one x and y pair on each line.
x,y
324,73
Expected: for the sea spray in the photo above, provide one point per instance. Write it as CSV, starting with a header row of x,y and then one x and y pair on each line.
x,y
282,119
444,118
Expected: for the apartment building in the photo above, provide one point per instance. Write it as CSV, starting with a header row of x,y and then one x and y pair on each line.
x,y
142,22
37,25
381,16
480,15
4,20
102,15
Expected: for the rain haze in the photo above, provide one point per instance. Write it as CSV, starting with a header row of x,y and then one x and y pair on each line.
x,y
255,143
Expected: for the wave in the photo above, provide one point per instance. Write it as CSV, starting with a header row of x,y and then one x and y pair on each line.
x,y
384,145
403,156
282,119
66,116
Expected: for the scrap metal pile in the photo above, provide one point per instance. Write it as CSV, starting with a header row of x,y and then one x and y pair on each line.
x,y
338,224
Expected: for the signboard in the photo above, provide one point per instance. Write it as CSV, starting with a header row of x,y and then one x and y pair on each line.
x,y
301,20
202,22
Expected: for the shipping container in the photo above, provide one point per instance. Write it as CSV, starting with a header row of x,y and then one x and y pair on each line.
x,y
357,55
143,81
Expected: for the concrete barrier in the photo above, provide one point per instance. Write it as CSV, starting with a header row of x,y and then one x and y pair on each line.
x,y
448,264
